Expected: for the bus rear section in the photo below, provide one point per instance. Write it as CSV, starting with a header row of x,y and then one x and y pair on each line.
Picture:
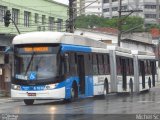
x,y
145,70
122,70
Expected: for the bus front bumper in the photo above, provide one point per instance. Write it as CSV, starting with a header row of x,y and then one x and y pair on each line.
x,y
45,94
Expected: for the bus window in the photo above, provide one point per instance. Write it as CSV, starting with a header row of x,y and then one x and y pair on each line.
x,y
140,67
127,66
106,64
118,60
146,66
88,65
95,67
72,64
149,67
100,64
131,70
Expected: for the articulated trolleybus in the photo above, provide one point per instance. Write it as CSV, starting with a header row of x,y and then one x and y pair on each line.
x,y
132,70
54,65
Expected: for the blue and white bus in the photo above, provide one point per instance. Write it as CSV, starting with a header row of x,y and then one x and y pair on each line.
x,y
54,65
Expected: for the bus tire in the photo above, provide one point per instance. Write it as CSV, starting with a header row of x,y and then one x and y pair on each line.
x,y
131,86
28,101
74,92
106,87
149,82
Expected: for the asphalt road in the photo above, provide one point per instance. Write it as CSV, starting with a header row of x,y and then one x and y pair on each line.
x,y
112,107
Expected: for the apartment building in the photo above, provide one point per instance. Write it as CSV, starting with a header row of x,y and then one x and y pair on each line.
x,y
79,6
151,9
33,15
88,7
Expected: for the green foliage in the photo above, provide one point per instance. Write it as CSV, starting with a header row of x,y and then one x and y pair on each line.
x,y
150,26
91,21
133,22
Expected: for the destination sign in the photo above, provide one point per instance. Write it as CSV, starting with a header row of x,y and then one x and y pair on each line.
x,y
36,49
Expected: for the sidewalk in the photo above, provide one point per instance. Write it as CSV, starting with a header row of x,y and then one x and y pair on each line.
x,y
7,100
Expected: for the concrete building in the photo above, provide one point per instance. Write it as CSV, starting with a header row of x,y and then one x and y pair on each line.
x,y
151,9
79,5
134,41
92,7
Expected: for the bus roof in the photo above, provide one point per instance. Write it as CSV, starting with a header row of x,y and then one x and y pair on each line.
x,y
144,54
56,37
137,52
119,49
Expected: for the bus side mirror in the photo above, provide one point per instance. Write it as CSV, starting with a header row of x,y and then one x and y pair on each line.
x,y
66,56
8,49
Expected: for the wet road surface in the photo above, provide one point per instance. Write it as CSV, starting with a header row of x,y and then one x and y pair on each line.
x,y
91,108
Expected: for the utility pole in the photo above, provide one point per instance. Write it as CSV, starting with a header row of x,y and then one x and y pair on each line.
x,y
121,21
71,17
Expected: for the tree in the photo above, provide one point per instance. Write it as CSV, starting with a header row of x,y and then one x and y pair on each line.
x,y
91,21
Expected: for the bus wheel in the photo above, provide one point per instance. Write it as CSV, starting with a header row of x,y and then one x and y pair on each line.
x,y
106,91
149,82
28,101
131,86
73,93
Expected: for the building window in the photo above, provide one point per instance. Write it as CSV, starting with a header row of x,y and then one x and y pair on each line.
x,y
115,9
105,1
51,23
43,19
36,18
15,15
114,0
2,12
150,15
124,7
150,6
59,25
106,10
26,18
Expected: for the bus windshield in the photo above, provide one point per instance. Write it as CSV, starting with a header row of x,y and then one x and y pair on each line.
x,y
44,66
35,66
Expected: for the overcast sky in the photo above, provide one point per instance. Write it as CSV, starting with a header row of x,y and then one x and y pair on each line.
x,y
62,1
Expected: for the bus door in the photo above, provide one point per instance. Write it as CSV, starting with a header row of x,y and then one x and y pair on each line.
x,y
142,71
153,72
124,74
81,73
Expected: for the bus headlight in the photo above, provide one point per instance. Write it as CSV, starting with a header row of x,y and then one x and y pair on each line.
x,y
49,87
15,87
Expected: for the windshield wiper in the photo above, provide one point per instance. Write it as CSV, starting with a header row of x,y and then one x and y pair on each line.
x,y
29,64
